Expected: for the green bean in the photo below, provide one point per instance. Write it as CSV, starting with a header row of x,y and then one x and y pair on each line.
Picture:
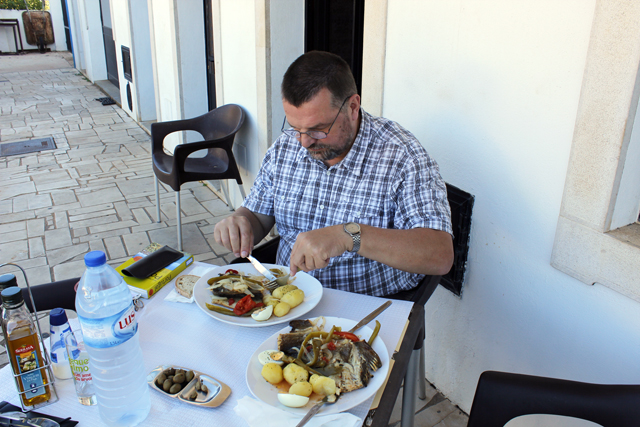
x,y
328,339
306,340
375,333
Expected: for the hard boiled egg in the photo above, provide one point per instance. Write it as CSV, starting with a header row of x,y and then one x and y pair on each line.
x,y
262,314
292,400
265,357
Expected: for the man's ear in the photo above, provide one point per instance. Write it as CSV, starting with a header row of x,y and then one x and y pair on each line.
x,y
354,106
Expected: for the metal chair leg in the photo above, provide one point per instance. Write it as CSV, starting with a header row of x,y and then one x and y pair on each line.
x,y
179,224
409,392
158,199
226,194
422,379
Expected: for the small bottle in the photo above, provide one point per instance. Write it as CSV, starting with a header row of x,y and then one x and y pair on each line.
x,y
108,319
24,351
79,362
59,330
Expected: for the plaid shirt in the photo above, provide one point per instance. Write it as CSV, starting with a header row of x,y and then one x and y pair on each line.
x,y
387,180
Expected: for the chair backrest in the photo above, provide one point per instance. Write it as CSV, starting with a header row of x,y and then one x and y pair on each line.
x,y
502,396
219,122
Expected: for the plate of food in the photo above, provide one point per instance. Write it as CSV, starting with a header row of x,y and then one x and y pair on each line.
x,y
235,294
345,366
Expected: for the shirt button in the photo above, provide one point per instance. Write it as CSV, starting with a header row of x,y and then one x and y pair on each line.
x,y
328,172
321,207
357,214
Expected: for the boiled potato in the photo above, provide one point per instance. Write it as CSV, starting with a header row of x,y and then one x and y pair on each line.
x,y
279,292
272,372
313,379
294,373
294,298
301,388
281,309
325,386
270,300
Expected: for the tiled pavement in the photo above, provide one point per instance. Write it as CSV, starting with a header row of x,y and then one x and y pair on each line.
x,y
95,191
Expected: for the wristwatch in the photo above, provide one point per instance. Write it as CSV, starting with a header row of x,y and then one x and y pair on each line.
x,y
353,230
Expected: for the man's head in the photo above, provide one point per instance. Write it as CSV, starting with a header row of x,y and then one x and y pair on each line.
x,y
319,96
314,71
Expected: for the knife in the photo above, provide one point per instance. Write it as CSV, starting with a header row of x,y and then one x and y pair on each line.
x,y
371,316
261,268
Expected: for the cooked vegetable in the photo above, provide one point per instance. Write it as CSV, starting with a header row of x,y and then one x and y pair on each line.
x,y
272,372
294,298
347,335
281,309
301,388
313,379
279,292
374,334
294,373
324,386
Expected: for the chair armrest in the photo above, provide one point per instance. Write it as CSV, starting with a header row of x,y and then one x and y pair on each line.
x,y
182,151
160,130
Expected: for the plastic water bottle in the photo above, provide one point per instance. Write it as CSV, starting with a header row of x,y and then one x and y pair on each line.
x,y
59,330
105,310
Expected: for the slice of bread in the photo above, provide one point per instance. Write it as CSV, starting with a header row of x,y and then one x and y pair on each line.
x,y
185,284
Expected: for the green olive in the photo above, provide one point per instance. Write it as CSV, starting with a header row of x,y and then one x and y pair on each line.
x,y
189,375
204,388
179,378
198,385
193,395
175,388
167,385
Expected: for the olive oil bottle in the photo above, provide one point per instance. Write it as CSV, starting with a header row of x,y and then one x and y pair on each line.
x,y
23,350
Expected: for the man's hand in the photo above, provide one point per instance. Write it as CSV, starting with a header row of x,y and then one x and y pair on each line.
x,y
314,248
242,230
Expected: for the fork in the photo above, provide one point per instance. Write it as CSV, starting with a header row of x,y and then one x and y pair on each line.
x,y
315,408
274,284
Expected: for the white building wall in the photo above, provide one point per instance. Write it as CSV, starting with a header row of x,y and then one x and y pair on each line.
x,y
7,41
491,89
88,33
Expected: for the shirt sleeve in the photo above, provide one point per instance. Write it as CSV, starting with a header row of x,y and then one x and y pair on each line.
x,y
422,196
260,199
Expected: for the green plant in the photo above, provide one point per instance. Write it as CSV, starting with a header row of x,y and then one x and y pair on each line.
x,y
20,4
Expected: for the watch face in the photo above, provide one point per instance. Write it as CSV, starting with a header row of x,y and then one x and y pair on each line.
x,y
352,228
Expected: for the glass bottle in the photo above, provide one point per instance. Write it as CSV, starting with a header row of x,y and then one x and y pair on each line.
x,y
24,351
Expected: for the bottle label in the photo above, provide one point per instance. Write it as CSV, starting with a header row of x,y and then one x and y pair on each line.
x,y
109,331
80,367
28,365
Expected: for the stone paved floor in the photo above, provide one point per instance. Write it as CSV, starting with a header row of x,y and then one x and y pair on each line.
x,y
95,191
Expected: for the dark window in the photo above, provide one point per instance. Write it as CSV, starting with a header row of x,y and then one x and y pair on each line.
x,y
126,63
336,26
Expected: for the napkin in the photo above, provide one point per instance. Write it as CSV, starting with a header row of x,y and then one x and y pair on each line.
x,y
259,414
197,270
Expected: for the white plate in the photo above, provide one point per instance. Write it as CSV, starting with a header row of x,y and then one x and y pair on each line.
x,y
309,284
268,393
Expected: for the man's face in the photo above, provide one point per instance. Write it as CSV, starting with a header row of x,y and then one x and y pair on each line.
x,y
318,114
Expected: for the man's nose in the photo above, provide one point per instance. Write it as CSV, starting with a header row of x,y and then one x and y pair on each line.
x,y
306,141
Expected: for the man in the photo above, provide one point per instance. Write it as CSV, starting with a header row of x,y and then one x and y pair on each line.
x,y
356,199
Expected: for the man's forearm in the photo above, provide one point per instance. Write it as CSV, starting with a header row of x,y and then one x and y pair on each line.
x,y
419,250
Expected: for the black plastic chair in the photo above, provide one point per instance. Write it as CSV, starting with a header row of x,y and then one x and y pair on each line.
x,y
502,396
411,364
218,128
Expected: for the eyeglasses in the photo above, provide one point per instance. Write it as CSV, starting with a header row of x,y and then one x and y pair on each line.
x,y
315,134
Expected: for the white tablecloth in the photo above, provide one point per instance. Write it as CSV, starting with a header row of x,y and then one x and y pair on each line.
x,y
182,334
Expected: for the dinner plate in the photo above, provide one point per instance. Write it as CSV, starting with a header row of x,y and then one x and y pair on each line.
x,y
268,393
309,284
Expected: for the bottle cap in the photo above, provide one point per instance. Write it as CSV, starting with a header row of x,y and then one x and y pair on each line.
x,y
7,280
95,259
12,296
57,317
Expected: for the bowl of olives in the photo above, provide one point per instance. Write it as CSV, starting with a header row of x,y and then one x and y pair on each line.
x,y
188,385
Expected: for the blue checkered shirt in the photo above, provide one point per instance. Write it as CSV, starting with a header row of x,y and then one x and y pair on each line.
x,y
387,180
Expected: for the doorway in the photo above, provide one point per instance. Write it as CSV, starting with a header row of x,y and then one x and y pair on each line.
x,y
208,42
67,28
336,26
109,43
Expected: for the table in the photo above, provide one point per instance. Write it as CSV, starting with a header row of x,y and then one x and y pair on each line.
x,y
181,334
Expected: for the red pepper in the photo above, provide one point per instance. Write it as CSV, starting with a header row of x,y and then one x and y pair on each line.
x,y
231,271
347,335
244,305
331,346
231,301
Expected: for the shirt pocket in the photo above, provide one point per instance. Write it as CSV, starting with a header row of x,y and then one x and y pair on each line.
x,y
368,213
